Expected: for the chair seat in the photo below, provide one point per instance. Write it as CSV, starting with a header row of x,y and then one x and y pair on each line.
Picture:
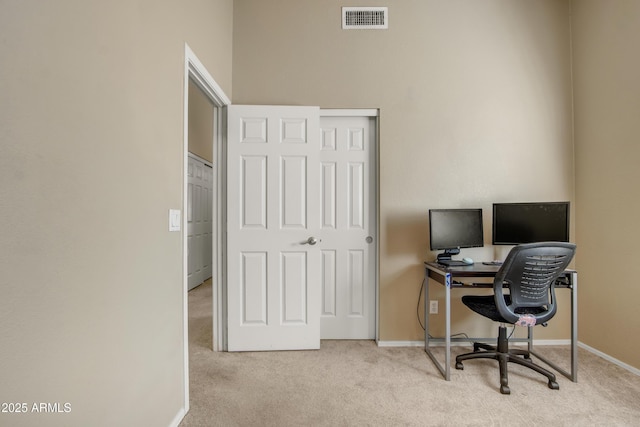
x,y
485,305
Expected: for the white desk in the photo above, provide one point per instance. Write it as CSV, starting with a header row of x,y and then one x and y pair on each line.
x,y
454,277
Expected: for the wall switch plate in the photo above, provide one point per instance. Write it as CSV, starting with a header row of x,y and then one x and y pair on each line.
x,y
174,219
433,307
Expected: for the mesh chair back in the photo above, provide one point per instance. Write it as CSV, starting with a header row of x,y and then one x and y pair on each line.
x,y
531,270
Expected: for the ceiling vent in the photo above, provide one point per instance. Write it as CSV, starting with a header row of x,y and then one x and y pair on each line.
x,y
365,18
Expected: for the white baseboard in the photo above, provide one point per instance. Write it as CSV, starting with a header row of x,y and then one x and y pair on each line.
x,y
551,342
178,418
400,343
609,358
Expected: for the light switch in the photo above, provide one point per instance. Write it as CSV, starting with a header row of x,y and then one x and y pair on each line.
x,y
174,219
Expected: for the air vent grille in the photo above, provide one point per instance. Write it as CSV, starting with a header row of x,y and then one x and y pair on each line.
x,y
365,18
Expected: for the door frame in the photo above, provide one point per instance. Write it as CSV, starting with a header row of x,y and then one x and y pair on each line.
x,y
221,315
220,304
195,71
375,167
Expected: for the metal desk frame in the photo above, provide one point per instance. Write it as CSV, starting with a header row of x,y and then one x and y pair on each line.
x,y
462,278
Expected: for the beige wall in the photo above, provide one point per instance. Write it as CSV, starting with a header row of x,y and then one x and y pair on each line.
x,y
200,123
475,107
607,134
475,102
91,129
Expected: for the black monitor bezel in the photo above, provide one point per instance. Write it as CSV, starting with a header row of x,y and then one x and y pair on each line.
x,y
493,220
479,245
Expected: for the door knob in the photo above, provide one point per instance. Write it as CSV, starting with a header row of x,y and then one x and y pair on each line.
x,y
369,239
311,241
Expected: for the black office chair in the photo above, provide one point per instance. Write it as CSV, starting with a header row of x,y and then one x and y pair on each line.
x,y
529,273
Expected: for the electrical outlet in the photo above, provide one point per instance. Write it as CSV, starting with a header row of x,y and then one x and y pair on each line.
x,y
433,307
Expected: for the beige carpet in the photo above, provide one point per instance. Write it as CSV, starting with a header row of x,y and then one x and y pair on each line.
x,y
353,383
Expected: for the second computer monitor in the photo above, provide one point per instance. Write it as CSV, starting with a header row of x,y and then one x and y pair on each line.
x,y
516,223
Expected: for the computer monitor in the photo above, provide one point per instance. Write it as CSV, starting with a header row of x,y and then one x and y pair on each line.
x,y
516,223
453,229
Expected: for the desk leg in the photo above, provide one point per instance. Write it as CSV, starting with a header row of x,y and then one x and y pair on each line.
x,y
426,313
574,327
447,327
444,370
573,375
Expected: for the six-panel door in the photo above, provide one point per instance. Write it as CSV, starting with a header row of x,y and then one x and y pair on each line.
x,y
348,224
273,261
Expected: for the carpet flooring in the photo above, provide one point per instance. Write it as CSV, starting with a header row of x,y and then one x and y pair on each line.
x,y
357,383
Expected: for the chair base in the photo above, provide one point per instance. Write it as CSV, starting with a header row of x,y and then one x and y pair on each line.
x,y
503,355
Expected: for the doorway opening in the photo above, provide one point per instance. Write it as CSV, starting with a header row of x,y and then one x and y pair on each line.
x,y
197,77
200,185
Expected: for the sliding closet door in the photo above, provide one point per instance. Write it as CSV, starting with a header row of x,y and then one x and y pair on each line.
x,y
199,220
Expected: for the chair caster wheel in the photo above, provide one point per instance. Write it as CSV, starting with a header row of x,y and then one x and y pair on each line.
x,y
554,385
504,389
459,366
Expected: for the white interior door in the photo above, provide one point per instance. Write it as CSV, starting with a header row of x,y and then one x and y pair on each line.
x,y
348,227
273,261
199,221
